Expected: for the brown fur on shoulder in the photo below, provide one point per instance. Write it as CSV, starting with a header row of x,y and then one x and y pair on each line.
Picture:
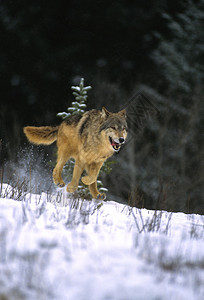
x,y
90,139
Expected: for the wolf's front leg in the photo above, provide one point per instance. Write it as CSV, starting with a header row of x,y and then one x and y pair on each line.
x,y
93,170
73,185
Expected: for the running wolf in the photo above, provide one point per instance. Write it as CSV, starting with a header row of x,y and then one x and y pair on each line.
x,y
89,138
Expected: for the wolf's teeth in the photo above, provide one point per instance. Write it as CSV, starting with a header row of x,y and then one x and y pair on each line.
x,y
116,141
116,148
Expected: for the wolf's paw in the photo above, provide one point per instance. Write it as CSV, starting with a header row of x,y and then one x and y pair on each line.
x,y
87,180
59,183
71,188
101,197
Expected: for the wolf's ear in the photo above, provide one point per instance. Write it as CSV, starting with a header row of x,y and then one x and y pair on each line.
x,y
122,113
105,112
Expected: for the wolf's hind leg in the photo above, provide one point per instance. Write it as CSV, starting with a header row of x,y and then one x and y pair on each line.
x,y
95,193
62,158
73,185
57,177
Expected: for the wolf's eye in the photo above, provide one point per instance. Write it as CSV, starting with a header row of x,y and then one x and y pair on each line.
x,y
114,128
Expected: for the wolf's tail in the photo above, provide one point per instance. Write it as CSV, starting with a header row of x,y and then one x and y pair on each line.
x,y
45,135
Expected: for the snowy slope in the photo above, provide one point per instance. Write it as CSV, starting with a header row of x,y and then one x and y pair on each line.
x,y
80,250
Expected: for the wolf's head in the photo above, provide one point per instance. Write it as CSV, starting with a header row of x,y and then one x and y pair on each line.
x,y
114,128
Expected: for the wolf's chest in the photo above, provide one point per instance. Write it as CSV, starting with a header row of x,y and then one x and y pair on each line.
x,y
94,156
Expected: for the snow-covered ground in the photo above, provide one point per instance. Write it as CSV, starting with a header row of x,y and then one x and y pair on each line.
x,y
64,249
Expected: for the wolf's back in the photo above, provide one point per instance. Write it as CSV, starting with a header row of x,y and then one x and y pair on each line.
x,y
45,135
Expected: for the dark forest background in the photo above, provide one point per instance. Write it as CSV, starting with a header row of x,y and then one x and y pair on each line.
x,y
119,47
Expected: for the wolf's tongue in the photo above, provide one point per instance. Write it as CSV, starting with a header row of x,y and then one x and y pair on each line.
x,y
114,143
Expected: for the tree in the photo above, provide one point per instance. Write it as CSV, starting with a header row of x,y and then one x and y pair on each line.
x,y
164,162
181,56
176,137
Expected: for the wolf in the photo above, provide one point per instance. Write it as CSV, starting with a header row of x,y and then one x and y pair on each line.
x,y
89,139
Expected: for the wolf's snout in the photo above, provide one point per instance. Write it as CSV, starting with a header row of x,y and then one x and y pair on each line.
x,y
121,140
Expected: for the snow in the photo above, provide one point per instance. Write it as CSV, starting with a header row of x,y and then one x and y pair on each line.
x,y
76,88
84,250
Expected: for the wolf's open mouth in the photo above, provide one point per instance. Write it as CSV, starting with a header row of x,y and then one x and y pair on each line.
x,y
115,144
